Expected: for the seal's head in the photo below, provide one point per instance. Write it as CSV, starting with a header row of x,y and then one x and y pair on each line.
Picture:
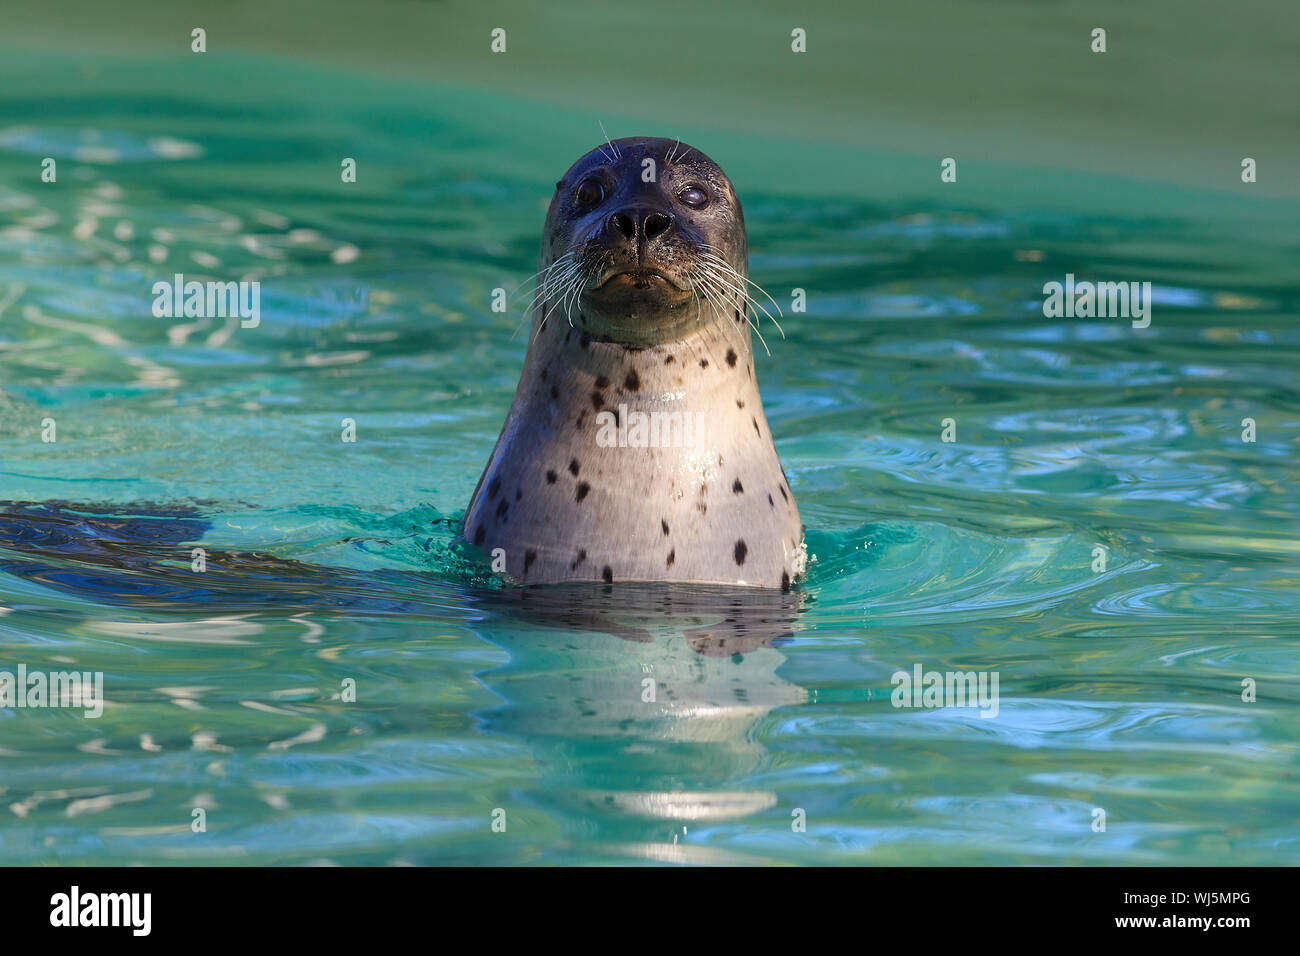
x,y
641,237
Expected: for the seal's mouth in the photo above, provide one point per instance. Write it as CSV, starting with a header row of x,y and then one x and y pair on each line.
x,y
645,279
634,302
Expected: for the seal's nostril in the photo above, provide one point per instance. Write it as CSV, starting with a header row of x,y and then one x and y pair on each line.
x,y
622,222
656,224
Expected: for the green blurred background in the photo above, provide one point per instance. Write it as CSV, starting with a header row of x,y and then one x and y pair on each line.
x,y
1184,91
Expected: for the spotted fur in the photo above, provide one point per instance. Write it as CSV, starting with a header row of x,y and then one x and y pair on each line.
x,y
716,510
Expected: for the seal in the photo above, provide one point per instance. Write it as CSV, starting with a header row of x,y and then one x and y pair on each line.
x,y
636,448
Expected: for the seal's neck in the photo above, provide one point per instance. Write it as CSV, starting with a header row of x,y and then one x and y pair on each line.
x,y
708,358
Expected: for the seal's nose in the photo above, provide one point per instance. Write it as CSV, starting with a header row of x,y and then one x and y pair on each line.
x,y
638,223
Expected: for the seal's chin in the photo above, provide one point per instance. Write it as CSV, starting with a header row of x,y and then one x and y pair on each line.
x,y
639,307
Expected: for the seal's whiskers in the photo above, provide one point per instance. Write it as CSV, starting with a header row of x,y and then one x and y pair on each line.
x,y
727,278
741,280
540,278
746,302
715,288
718,253
614,149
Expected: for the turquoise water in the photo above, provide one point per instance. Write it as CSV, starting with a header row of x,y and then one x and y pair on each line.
x,y
1120,689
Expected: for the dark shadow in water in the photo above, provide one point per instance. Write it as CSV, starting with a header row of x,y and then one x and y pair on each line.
x,y
139,556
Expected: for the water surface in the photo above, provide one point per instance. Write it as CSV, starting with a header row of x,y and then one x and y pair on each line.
x,y
1120,688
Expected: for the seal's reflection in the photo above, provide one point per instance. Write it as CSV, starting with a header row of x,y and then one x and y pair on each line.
x,y
640,702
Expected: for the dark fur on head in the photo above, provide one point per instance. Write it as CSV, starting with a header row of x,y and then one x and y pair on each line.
x,y
645,239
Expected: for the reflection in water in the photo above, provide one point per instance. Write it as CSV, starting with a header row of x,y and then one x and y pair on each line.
x,y
641,728
622,676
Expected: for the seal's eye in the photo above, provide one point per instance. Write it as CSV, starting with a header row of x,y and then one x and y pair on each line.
x,y
694,196
589,192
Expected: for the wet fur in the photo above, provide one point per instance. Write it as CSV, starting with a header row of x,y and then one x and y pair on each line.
x,y
561,507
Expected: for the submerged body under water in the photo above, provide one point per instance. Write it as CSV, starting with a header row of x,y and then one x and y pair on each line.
x,y
344,682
